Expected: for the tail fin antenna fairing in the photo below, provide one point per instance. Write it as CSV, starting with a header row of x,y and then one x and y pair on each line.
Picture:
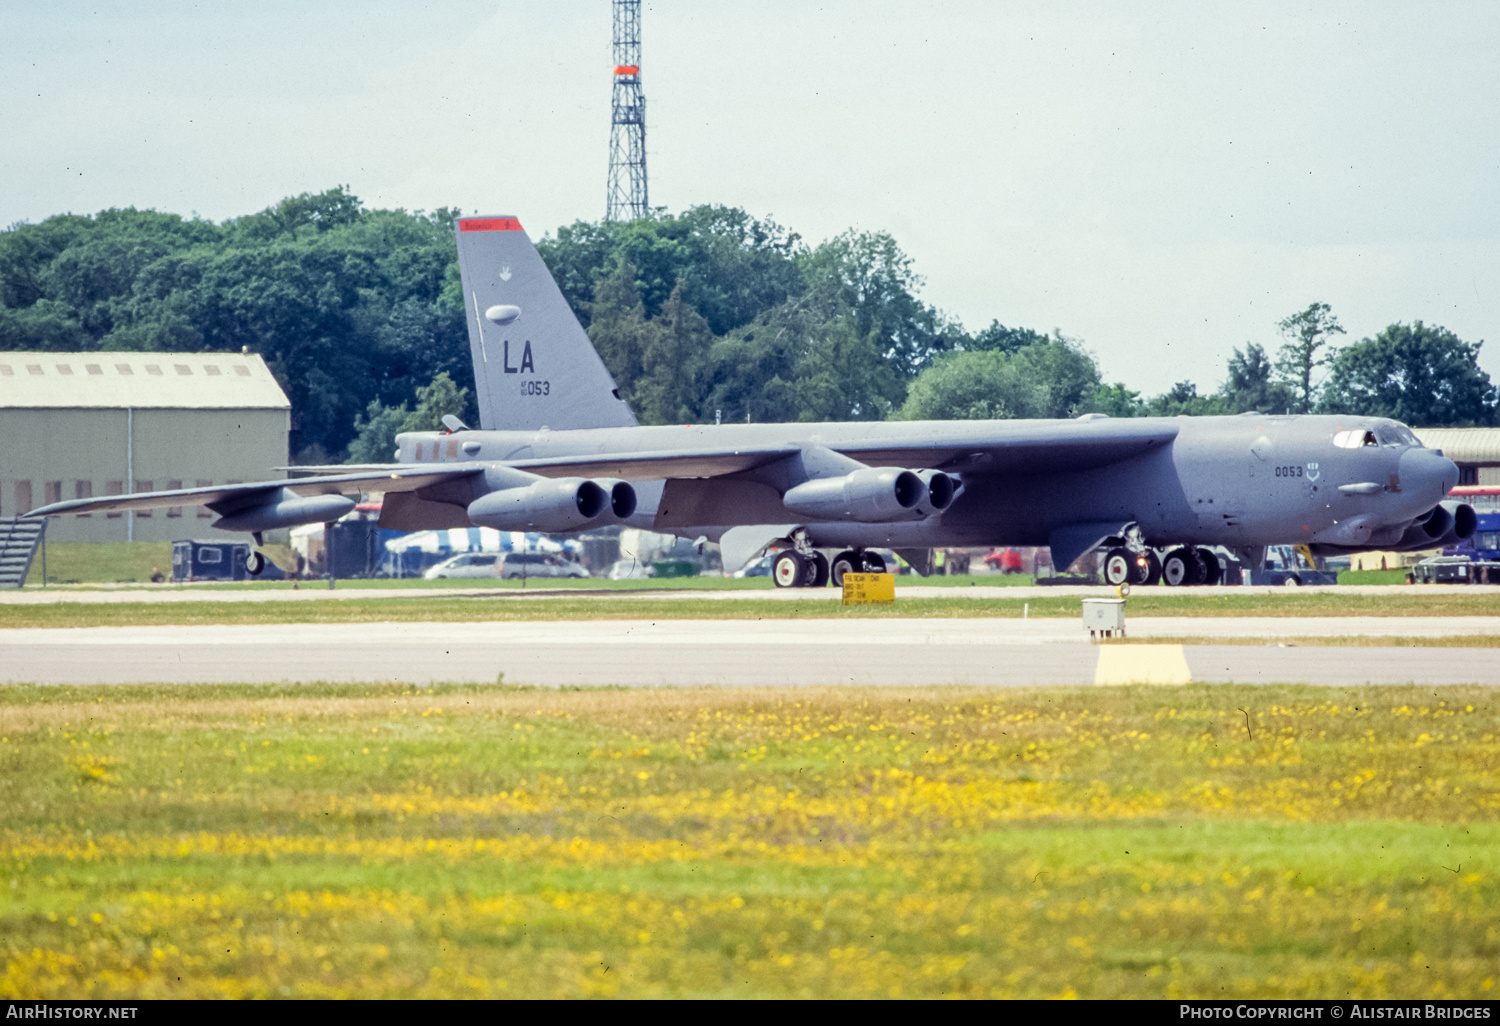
x,y
533,365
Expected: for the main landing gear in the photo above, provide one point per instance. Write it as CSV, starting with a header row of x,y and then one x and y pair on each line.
x,y
1122,566
1181,567
793,569
255,563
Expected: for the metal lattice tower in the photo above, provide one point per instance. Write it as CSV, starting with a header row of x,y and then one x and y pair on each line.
x,y
627,134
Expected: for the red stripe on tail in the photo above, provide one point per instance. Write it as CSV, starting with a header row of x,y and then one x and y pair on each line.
x,y
489,224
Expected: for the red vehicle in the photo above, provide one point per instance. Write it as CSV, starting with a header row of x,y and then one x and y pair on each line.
x,y
1007,561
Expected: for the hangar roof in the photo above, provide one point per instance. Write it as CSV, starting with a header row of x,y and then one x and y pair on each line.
x,y
1464,445
202,381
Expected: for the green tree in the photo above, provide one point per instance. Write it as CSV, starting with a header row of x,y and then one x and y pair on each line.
x,y
1424,376
1006,340
1117,401
618,326
674,350
375,433
1250,385
376,429
1052,378
1182,399
1064,370
987,385
1309,336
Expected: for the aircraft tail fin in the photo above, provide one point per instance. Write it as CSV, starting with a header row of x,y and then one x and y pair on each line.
x,y
533,365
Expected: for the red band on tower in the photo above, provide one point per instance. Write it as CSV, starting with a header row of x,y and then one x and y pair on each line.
x,y
489,224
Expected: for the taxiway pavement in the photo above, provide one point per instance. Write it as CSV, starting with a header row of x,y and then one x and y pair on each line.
x,y
996,652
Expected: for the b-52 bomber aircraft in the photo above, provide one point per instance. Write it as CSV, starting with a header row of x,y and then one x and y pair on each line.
x,y
559,451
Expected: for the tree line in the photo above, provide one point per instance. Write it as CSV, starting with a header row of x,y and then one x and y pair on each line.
x,y
707,314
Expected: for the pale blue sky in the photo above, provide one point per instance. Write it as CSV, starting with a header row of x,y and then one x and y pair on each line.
x,y
1164,180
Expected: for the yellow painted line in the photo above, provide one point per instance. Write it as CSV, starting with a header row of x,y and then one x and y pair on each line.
x,y
1142,664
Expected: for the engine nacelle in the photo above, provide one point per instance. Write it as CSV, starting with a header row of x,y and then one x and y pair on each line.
x,y
285,508
622,501
870,496
1447,524
560,504
940,489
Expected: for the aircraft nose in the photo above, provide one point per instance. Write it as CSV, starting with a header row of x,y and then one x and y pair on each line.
x,y
1427,474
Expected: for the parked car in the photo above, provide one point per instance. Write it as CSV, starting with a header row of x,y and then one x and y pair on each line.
x,y
760,568
517,565
465,564
628,570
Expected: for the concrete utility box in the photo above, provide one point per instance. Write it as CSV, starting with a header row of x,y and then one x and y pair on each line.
x,y
1104,617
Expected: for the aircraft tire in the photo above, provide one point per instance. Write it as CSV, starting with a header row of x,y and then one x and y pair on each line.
x,y
1151,572
255,563
789,570
875,563
817,573
1177,568
1213,570
1117,567
846,562
1199,569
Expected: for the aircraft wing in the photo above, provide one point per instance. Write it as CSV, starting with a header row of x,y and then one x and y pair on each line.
x,y
982,447
637,466
1019,447
388,479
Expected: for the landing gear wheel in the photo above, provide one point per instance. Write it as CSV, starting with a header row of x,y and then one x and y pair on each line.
x,y
1146,569
817,576
1200,572
1118,564
254,563
874,563
788,570
847,562
1179,568
1213,572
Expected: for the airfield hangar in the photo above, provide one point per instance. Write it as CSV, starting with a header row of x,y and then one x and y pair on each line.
x,y
80,425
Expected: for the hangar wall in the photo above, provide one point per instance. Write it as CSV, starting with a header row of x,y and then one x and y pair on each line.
x,y
98,428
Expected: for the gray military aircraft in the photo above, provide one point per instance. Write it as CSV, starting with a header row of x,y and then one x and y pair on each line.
x,y
559,451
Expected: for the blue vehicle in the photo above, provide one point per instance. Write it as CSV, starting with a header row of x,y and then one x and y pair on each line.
x,y
1475,560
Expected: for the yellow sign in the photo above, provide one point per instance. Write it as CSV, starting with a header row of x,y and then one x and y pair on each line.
x,y
862,589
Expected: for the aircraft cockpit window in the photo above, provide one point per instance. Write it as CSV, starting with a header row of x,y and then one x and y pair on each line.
x,y
1355,438
1389,436
1407,437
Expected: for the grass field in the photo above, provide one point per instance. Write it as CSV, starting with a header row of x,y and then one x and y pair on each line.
x,y
101,562
461,841
646,605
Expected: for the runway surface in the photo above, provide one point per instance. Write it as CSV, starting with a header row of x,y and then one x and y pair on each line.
x,y
314,591
997,652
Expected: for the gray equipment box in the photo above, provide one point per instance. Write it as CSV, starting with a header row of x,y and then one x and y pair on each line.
x,y
1104,617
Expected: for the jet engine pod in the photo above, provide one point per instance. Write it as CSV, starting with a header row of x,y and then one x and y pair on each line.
x,y
940,488
870,496
1465,520
1448,523
622,500
285,508
563,504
